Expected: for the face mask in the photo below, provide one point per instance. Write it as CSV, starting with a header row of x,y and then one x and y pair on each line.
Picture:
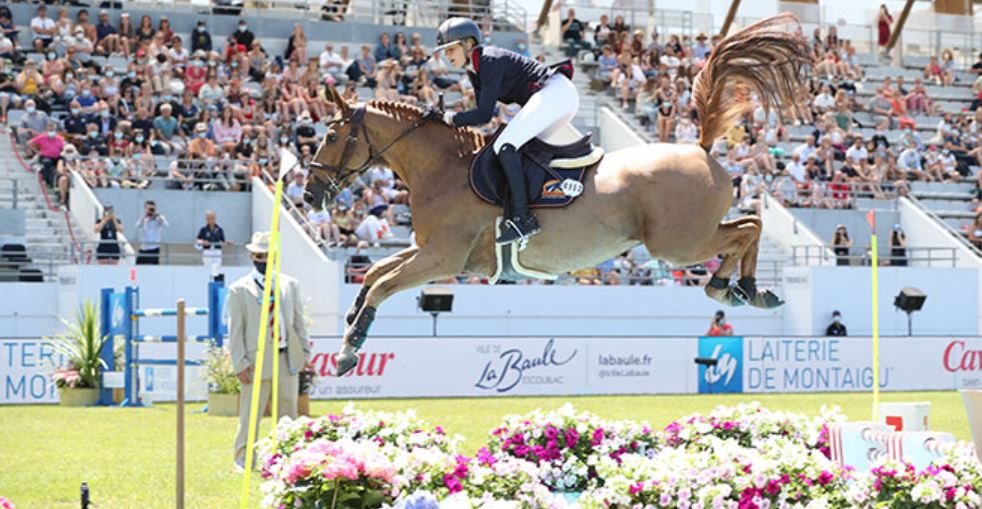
x,y
284,140
131,75
93,135
115,160
69,76
202,135
168,98
242,28
76,111
52,56
201,28
769,178
139,139
86,93
212,63
246,141
51,134
260,266
521,47
104,113
118,136
71,157
30,109
262,162
836,319
110,74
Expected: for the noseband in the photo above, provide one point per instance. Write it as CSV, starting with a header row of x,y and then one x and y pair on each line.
x,y
337,175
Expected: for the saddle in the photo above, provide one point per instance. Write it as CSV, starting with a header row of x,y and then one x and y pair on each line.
x,y
553,173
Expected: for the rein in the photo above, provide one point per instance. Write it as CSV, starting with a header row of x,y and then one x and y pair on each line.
x,y
341,172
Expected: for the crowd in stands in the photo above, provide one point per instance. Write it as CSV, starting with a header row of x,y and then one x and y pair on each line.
x,y
861,137
134,104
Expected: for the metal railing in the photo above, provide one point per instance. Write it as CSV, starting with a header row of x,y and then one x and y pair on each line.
x,y
221,173
638,17
838,194
862,256
171,253
959,236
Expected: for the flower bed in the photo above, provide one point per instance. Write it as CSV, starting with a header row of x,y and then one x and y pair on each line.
x,y
743,457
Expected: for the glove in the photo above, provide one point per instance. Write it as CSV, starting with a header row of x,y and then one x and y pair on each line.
x,y
433,114
448,117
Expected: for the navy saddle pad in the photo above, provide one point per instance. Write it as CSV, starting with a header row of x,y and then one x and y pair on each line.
x,y
488,181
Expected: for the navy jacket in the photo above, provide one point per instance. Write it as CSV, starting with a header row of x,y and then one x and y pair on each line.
x,y
501,75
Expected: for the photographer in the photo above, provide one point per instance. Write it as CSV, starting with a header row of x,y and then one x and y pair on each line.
x,y
108,228
841,244
151,226
719,327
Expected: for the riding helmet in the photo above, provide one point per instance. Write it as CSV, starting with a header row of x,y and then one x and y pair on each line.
x,y
457,29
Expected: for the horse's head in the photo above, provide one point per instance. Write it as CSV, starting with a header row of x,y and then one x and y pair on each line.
x,y
343,154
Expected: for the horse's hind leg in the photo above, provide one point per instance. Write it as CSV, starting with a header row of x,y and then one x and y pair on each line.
x,y
374,272
760,298
736,241
419,267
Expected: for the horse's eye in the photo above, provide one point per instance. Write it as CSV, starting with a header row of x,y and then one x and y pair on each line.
x,y
332,137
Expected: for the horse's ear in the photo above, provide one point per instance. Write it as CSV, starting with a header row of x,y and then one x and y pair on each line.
x,y
339,101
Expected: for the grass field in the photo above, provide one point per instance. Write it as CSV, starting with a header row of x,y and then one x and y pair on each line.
x,y
127,455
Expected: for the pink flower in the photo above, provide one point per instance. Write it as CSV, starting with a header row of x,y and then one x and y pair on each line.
x,y
598,437
452,484
485,457
6,504
340,470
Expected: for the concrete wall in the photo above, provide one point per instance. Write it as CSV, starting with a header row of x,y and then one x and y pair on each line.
x,y
824,221
614,133
28,310
784,228
184,210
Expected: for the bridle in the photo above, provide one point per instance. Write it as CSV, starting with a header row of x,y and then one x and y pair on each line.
x,y
340,173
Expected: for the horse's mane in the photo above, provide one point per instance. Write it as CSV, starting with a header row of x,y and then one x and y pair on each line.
x,y
470,140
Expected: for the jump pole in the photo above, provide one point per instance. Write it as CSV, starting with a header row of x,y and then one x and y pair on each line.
x,y
181,340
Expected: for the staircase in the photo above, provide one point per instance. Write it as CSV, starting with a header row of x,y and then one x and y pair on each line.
x,y
46,237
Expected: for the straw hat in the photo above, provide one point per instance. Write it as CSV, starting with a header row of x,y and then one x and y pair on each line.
x,y
259,244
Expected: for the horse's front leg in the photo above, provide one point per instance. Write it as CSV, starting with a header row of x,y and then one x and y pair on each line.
x,y
424,265
379,269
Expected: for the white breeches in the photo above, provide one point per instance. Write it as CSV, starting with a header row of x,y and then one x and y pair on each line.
x,y
546,113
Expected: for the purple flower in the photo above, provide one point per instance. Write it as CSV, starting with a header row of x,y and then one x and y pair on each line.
x,y
636,488
484,456
598,437
572,437
452,484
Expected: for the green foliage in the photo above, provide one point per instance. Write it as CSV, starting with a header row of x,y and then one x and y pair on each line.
x,y
80,343
221,376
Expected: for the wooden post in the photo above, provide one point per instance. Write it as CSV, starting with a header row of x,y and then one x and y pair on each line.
x,y
181,338
899,27
734,5
543,14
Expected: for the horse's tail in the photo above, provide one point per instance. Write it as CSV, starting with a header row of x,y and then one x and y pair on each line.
x,y
764,57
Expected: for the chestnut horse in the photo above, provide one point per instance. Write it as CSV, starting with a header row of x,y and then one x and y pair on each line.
x,y
670,197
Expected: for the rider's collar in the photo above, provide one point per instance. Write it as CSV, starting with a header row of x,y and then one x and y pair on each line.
x,y
475,61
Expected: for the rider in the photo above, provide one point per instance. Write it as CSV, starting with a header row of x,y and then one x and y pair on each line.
x,y
548,98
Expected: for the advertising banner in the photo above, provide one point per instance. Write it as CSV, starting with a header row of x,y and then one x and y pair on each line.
x,y
425,367
727,374
845,364
25,369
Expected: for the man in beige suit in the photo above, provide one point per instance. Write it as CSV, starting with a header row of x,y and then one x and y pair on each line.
x,y
292,353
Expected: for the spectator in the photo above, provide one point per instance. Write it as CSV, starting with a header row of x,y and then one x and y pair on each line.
x,y
108,228
325,229
909,164
169,136
105,121
107,37
43,29
126,34
296,45
573,34
211,239
227,131
836,328
841,244
719,327
151,226
701,49
48,147
94,141
975,231
884,26
295,191
374,227
201,39
331,63
898,247
33,123
243,36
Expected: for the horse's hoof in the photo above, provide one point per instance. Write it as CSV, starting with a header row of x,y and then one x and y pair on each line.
x,y
766,299
347,361
737,293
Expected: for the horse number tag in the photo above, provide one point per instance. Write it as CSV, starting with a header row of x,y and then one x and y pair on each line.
x,y
571,187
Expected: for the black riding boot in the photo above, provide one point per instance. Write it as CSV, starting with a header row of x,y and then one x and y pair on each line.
x,y
522,224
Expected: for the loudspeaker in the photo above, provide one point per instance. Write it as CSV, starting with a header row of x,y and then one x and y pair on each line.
x,y
436,300
910,299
